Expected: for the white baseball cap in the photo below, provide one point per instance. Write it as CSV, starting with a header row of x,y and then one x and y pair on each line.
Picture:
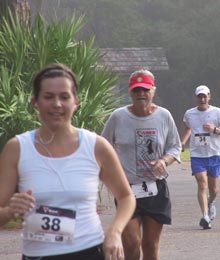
x,y
202,90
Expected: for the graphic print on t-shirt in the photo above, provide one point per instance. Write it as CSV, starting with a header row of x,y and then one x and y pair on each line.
x,y
146,145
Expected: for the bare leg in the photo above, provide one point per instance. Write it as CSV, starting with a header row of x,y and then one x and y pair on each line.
x,y
213,188
131,238
202,182
151,239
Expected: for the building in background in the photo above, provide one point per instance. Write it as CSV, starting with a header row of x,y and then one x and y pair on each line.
x,y
124,61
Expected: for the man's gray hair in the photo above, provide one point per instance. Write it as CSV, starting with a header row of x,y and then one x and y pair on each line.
x,y
142,72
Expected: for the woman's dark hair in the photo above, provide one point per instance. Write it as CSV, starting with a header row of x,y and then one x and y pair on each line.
x,y
52,71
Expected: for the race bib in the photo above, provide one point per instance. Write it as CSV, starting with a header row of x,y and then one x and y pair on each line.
x,y
202,139
50,224
145,189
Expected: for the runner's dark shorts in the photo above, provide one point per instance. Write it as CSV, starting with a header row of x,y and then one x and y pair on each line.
x,y
93,253
158,207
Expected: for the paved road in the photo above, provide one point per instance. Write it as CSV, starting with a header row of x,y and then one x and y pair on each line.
x,y
183,240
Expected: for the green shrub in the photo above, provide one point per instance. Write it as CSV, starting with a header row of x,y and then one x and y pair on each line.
x,y
24,49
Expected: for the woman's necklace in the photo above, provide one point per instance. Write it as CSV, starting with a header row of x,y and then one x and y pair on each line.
x,y
39,140
44,147
43,143
48,141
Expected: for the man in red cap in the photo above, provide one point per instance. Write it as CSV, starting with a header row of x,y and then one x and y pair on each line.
x,y
146,140
202,126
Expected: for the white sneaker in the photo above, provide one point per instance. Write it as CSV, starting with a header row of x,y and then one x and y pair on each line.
x,y
205,223
212,211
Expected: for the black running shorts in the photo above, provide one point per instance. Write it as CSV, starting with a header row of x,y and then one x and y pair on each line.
x,y
93,253
158,207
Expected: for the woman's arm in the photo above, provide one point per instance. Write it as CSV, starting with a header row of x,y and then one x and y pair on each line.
x,y
115,179
11,204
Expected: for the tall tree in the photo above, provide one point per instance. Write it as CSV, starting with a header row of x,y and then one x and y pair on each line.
x,y
17,7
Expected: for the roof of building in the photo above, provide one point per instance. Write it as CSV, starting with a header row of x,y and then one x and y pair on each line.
x,y
127,60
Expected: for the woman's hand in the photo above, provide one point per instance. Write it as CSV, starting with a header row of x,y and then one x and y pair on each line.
x,y
21,203
113,248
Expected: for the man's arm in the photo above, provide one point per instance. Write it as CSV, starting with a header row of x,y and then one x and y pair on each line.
x,y
185,137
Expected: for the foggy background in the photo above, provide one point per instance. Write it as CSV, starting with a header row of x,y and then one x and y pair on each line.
x,y
187,30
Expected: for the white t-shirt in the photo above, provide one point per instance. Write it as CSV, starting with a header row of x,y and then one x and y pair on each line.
x,y
202,143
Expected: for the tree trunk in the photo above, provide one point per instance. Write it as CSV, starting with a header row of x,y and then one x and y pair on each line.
x,y
19,7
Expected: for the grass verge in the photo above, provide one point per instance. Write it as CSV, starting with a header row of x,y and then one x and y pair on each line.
x,y
13,224
185,156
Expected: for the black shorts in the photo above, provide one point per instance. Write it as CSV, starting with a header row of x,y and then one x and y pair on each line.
x,y
93,253
158,207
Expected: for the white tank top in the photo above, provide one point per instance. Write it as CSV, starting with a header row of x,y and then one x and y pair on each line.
x,y
69,182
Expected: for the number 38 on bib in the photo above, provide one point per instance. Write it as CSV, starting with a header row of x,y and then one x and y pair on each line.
x,y
51,224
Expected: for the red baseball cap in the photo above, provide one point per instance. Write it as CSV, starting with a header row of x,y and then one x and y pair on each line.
x,y
141,80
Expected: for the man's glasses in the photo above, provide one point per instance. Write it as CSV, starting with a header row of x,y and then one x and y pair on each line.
x,y
139,89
